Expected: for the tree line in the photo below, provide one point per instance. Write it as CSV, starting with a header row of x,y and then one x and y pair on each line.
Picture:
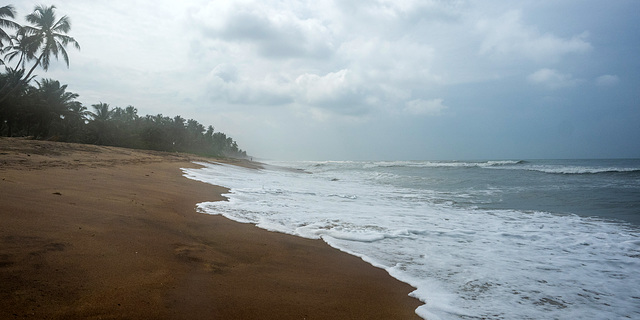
x,y
47,110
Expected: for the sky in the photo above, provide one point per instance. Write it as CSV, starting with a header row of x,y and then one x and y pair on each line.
x,y
370,80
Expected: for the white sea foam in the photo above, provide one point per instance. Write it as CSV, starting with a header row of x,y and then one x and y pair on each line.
x,y
578,169
564,169
432,164
464,262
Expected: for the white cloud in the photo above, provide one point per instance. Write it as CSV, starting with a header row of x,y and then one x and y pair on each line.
x,y
607,80
553,79
401,60
333,86
273,30
264,91
425,107
226,72
507,36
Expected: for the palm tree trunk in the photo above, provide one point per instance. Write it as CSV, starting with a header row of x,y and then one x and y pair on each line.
x,y
32,68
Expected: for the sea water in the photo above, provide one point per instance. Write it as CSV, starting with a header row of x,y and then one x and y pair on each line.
x,y
478,239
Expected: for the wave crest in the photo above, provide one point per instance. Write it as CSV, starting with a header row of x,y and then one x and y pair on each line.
x,y
582,170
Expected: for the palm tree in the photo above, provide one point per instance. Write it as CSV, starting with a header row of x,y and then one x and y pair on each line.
x,y
53,105
10,106
56,95
19,48
7,11
77,112
100,127
127,115
74,122
102,112
46,36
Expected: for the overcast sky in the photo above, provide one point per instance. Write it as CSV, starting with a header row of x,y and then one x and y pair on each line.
x,y
371,80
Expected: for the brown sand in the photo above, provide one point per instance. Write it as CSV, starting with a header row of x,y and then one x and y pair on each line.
x,y
89,232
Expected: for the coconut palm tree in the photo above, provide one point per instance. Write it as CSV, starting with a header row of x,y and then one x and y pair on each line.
x,y
7,11
102,112
101,128
74,122
11,106
52,107
56,96
46,37
19,48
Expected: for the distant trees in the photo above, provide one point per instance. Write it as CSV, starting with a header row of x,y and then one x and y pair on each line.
x,y
124,128
49,111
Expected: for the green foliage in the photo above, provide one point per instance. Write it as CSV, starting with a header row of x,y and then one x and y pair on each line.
x,y
7,12
45,37
49,111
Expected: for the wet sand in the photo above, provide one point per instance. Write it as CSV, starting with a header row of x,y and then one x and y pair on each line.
x,y
92,232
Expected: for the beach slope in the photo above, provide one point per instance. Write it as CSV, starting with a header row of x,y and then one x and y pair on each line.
x,y
93,232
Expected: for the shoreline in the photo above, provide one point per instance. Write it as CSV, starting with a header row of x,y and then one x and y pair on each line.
x,y
103,232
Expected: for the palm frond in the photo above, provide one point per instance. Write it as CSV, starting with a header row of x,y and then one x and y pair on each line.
x,y
65,40
9,24
7,11
64,54
28,31
62,25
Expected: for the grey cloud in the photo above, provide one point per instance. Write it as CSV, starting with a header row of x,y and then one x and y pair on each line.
x,y
247,26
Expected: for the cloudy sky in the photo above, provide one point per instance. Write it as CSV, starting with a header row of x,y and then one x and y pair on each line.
x,y
371,80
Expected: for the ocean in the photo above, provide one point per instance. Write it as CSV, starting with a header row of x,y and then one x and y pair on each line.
x,y
523,239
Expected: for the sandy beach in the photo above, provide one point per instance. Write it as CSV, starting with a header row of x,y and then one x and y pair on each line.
x,y
93,232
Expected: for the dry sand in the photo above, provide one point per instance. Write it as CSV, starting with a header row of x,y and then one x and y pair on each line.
x,y
92,232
